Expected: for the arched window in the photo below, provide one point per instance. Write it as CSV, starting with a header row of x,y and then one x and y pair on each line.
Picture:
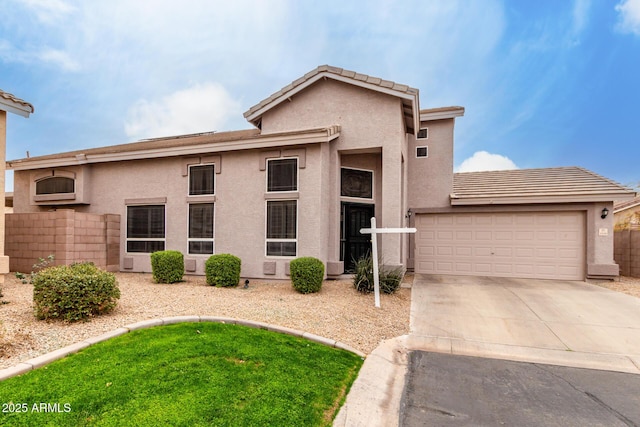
x,y
55,185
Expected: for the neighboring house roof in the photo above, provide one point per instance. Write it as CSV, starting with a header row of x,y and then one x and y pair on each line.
x,y
13,104
548,185
181,145
409,95
620,206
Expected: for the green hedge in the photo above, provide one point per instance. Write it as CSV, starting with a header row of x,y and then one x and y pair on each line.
x,y
167,266
307,274
222,270
74,292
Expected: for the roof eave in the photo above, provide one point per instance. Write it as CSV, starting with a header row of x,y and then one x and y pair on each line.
x,y
16,108
442,114
316,136
548,199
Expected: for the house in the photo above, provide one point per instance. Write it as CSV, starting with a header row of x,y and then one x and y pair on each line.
x,y
325,154
627,214
12,104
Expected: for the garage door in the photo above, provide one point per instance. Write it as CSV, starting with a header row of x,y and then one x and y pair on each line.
x,y
549,245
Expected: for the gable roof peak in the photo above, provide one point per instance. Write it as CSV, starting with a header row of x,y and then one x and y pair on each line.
x,y
408,95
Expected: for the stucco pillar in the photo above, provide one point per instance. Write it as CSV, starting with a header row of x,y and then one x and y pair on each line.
x,y
4,260
600,236
391,212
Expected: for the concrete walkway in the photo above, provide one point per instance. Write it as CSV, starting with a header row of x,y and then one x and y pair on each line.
x,y
550,322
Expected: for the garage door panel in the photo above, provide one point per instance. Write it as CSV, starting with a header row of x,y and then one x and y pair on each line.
x,y
536,245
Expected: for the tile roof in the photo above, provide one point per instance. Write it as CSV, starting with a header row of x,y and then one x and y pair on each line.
x,y
254,113
548,185
177,145
626,204
8,99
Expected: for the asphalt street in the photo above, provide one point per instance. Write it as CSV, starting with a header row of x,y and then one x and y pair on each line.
x,y
453,390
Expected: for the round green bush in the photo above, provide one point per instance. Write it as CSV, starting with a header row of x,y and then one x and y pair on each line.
x,y
74,292
167,266
307,274
222,270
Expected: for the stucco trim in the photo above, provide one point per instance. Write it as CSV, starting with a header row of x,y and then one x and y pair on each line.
x,y
146,201
287,195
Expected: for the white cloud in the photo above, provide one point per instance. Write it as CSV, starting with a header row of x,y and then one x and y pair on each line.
x,y
59,58
629,19
485,161
49,11
200,108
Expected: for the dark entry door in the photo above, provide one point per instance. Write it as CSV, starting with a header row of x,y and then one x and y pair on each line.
x,y
353,244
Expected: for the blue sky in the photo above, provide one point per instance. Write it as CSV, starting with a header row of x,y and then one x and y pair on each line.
x,y
545,83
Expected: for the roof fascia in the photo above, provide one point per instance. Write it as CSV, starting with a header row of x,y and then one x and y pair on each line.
x,y
15,108
441,115
254,117
634,205
544,199
316,137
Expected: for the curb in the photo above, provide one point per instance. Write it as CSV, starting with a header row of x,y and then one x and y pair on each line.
x,y
45,359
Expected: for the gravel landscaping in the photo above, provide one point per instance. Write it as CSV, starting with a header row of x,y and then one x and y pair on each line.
x,y
338,312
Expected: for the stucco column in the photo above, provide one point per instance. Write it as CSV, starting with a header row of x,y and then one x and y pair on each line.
x,y
600,236
4,260
391,212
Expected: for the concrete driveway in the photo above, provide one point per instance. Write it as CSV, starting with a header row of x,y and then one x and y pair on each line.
x,y
561,323
556,322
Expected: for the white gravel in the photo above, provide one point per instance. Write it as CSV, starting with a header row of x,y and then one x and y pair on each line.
x,y
338,312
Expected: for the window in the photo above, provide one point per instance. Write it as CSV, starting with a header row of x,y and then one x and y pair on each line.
x,y
422,151
145,228
201,180
55,185
282,174
423,133
201,228
282,221
356,183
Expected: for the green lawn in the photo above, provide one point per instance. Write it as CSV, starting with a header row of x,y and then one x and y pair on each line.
x,y
189,374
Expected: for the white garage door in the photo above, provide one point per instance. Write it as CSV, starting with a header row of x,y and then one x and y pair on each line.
x,y
544,245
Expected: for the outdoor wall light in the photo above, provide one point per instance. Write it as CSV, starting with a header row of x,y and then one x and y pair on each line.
x,y
409,213
605,212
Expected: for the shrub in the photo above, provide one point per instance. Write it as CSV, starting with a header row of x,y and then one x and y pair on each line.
x,y
222,270
74,292
167,266
390,278
307,274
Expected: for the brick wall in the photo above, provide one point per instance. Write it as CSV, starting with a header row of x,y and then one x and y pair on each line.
x,y
626,253
70,236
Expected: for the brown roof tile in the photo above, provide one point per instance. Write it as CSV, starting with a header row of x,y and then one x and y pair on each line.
x,y
538,185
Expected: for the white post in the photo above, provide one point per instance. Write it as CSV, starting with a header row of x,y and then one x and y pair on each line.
x,y
374,251
374,254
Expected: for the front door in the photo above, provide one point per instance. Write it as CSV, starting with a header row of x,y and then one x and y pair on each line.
x,y
354,245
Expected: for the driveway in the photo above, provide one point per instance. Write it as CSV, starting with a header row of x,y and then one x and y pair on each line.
x,y
557,322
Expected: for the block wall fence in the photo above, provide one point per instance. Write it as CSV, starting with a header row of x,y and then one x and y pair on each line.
x,y
626,252
68,235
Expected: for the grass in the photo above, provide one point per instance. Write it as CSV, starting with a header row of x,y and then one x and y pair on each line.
x,y
189,374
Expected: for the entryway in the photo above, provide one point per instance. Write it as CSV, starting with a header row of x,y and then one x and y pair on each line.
x,y
353,245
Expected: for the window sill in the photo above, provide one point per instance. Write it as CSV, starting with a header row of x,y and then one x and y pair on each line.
x,y
54,197
287,195
201,199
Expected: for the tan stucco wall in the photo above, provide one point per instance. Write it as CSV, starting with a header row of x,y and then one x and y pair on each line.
x,y
4,260
430,179
370,121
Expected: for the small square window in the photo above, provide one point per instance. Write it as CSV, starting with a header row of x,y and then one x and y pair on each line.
x,y
422,151
201,180
423,133
356,183
282,174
